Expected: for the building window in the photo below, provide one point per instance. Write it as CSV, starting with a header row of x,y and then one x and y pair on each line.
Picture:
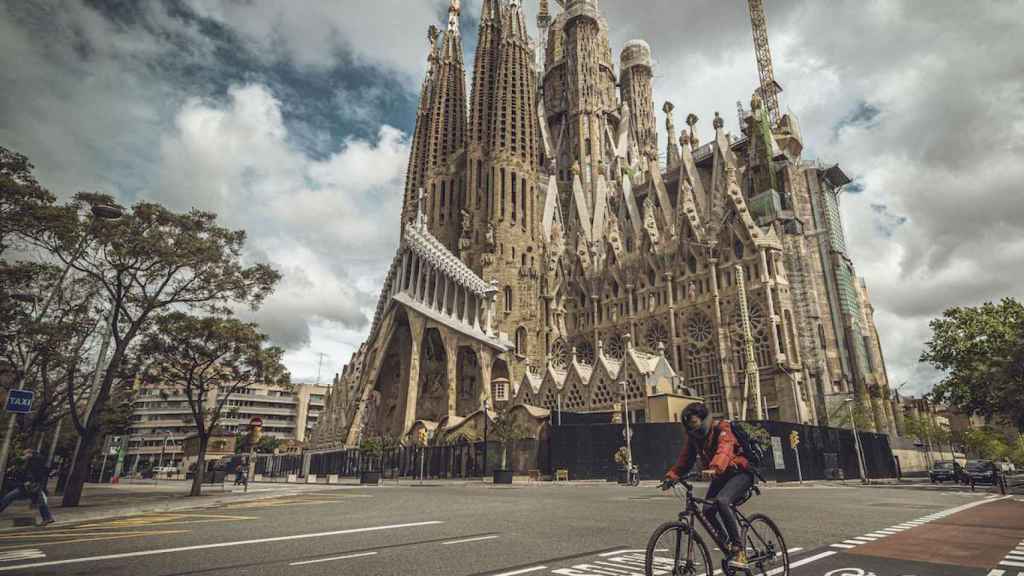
x,y
521,344
508,299
500,392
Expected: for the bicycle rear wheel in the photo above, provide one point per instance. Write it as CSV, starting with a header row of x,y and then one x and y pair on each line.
x,y
676,550
766,549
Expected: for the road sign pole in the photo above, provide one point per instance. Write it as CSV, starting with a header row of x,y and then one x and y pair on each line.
x,y
799,472
103,467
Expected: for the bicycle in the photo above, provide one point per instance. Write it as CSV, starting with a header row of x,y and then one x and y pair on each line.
x,y
766,549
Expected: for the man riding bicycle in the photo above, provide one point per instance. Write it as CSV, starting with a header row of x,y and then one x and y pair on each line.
x,y
724,464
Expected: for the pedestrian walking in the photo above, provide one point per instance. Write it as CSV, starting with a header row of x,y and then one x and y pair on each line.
x,y
241,478
32,479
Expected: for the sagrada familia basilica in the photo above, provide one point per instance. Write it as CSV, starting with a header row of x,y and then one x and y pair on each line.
x,y
555,256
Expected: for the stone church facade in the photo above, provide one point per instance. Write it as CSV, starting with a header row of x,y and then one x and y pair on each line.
x,y
552,249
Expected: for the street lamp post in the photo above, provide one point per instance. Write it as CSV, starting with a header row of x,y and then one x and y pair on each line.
x,y
99,212
625,417
483,404
856,440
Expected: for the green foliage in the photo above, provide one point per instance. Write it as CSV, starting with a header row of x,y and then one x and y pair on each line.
x,y
926,431
986,443
757,432
266,445
507,430
981,352
21,197
372,446
210,358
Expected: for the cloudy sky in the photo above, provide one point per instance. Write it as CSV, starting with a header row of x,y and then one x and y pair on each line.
x,y
291,120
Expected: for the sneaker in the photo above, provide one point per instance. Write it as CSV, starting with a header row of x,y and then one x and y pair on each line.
x,y
47,522
738,558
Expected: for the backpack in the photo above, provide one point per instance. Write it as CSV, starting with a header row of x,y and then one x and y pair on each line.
x,y
752,448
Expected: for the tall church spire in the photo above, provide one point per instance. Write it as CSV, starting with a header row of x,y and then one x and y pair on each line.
x,y
416,171
445,186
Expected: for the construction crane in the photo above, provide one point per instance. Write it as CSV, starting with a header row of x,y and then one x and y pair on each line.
x,y
769,87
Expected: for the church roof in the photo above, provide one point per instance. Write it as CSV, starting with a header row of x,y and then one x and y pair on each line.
x,y
423,243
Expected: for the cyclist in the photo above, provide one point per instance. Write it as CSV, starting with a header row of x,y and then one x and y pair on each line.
x,y
724,464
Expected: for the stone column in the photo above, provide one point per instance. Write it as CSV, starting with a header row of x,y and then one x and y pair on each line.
x,y
451,348
672,319
486,357
412,392
769,286
723,354
402,274
444,304
418,280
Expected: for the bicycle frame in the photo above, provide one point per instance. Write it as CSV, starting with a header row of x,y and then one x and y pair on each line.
x,y
693,511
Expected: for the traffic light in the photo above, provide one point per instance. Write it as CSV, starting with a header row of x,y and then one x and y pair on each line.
x,y
794,439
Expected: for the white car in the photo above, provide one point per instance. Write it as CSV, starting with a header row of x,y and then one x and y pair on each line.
x,y
165,470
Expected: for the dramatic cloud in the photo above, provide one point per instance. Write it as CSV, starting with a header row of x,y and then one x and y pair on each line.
x,y
292,124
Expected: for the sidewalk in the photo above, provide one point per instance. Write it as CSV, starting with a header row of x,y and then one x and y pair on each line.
x,y
141,497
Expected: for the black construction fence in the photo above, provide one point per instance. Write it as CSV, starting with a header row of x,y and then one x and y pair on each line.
x,y
587,451
463,460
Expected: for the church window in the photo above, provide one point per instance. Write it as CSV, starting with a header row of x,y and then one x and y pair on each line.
x,y
521,343
691,263
501,187
514,202
738,249
508,298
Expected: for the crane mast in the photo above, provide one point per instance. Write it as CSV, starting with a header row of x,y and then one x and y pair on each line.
x,y
769,89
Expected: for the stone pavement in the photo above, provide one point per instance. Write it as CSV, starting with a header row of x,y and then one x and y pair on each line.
x,y
142,497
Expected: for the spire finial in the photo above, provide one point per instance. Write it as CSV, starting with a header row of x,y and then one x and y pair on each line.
x,y
453,15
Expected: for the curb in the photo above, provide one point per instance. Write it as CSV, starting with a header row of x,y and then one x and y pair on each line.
x,y
173,506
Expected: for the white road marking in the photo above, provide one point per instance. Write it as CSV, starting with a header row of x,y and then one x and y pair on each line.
x,y
845,546
1011,563
997,573
865,539
21,554
876,535
333,558
854,542
794,550
217,545
617,552
800,563
477,539
523,571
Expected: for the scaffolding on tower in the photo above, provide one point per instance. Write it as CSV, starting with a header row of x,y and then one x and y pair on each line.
x,y
769,88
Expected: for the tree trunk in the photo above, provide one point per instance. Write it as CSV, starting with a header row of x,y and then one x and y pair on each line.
x,y
78,475
200,475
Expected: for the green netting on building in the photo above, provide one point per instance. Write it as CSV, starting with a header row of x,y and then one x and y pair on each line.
x,y
835,221
766,206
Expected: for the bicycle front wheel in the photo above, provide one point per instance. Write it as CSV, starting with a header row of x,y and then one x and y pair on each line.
x,y
677,550
766,549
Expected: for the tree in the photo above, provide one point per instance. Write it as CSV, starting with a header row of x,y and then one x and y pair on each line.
x,y
45,352
20,197
507,430
981,352
150,261
210,359
985,443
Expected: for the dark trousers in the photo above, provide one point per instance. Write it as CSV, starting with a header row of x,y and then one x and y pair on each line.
x,y
38,497
726,490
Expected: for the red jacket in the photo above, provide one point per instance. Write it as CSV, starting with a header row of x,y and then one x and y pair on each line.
x,y
719,452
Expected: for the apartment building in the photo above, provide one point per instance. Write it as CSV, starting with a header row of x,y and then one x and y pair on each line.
x,y
161,418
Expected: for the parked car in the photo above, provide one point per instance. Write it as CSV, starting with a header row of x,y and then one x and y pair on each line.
x,y
944,471
981,471
165,470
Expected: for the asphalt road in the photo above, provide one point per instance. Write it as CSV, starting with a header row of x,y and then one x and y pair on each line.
x,y
487,530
